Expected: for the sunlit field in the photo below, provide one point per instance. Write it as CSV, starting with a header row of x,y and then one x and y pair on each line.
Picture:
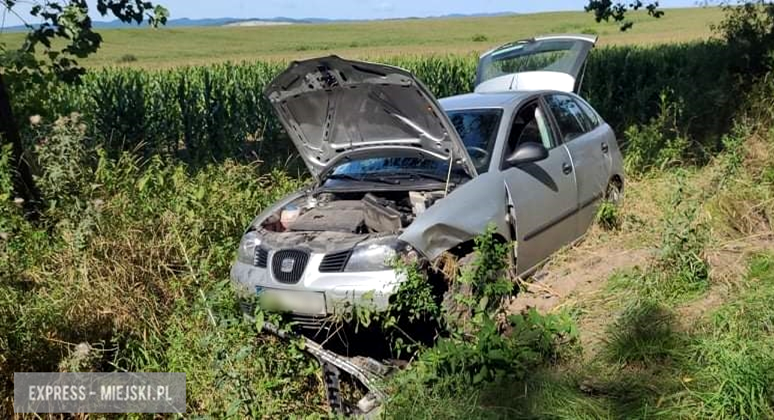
x,y
170,47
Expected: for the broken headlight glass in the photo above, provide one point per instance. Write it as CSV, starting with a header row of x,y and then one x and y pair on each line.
x,y
375,255
246,253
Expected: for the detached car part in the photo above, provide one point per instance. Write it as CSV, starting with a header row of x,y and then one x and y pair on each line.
x,y
368,372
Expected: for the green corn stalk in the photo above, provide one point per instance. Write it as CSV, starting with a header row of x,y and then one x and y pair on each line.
x,y
210,113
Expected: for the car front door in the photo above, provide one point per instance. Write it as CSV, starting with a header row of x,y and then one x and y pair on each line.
x,y
542,195
588,144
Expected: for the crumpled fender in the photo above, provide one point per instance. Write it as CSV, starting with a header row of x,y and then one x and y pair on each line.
x,y
460,217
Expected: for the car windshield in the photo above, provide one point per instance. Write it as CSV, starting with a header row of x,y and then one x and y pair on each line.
x,y
476,127
478,130
401,166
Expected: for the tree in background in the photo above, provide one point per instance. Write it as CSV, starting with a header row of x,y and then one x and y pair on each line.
x,y
748,27
59,32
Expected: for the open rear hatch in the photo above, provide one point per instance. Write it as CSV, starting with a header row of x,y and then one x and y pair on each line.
x,y
555,62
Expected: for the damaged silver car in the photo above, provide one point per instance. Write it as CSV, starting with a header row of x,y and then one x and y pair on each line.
x,y
399,173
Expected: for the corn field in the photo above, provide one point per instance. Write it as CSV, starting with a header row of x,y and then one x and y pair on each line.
x,y
204,114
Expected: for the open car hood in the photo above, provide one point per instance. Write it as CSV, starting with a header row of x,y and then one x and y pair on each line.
x,y
330,107
555,62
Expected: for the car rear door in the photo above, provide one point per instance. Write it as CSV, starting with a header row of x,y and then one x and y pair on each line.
x,y
542,195
587,140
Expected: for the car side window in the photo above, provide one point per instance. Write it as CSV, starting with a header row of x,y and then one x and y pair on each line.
x,y
570,119
530,126
591,116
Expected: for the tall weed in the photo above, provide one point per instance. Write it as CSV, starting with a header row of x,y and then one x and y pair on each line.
x,y
658,144
143,285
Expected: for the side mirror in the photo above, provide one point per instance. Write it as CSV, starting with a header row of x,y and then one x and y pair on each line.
x,y
527,153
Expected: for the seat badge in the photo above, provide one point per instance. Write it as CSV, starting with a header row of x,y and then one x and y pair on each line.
x,y
287,265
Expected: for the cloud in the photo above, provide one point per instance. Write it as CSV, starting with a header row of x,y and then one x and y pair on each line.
x,y
384,6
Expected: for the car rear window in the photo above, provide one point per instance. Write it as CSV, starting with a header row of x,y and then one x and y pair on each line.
x,y
591,115
569,116
558,55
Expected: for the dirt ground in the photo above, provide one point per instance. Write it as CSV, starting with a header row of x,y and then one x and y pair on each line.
x,y
578,275
581,271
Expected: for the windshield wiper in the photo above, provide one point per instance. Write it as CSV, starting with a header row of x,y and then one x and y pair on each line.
x,y
436,177
343,176
365,178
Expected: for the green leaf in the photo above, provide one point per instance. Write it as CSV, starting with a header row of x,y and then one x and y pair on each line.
x,y
496,355
482,304
481,375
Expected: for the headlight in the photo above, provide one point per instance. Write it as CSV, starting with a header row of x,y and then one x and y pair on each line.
x,y
246,253
376,255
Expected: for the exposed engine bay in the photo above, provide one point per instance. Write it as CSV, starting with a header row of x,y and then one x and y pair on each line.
x,y
352,213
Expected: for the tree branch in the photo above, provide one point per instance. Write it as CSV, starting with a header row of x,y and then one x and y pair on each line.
x,y
605,10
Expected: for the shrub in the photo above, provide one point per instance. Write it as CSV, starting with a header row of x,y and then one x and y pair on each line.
x,y
683,238
748,28
144,286
127,58
493,349
489,272
64,160
658,144
489,355
479,38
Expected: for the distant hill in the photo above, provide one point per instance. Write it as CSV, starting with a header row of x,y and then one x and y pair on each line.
x,y
226,21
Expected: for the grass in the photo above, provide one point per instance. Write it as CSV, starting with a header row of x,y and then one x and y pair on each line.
x,y
133,262
130,261
687,335
172,47
131,257
734,352
654,362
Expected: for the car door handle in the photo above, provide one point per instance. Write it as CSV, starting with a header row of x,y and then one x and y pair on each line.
x,y
566,168
605,148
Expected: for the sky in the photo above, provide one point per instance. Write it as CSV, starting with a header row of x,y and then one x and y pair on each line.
x,y
353,9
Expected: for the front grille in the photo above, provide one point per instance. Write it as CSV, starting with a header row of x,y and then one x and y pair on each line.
x,y
288,265
335,261
261,257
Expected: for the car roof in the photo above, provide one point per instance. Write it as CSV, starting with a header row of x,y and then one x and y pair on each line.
x,y
484,100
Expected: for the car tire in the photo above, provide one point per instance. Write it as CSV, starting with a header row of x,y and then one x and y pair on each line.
x,y
613,194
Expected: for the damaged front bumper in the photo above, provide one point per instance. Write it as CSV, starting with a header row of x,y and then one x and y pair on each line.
x,y
367,371
317,293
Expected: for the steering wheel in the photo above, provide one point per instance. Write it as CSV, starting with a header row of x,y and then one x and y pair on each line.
x,y
483,155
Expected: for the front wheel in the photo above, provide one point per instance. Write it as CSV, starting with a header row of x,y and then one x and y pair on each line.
x,y
457,310
608,213
614,194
